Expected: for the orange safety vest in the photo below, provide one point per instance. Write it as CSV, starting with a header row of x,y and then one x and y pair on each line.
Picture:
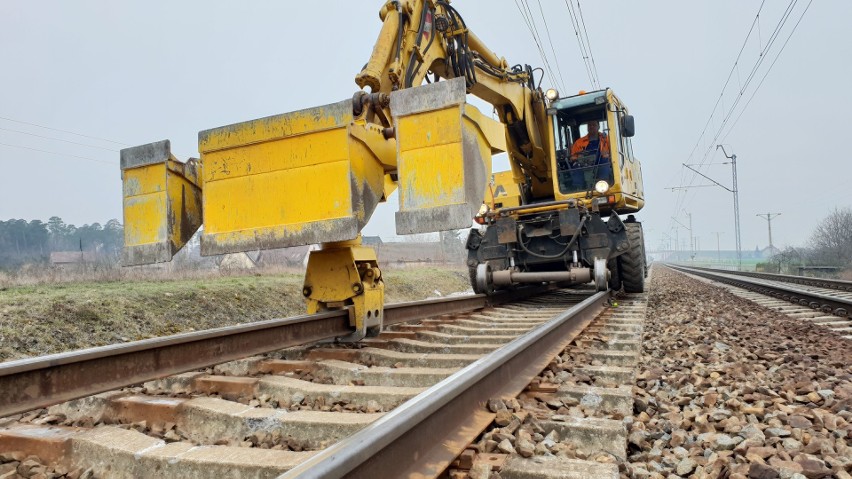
x,y
582,143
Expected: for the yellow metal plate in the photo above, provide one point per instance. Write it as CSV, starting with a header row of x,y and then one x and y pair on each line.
x,y
298,178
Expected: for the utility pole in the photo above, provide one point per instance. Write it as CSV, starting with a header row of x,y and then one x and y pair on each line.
x,y
768,217
669,244
677,245
718,248
691,237
691,244
736,193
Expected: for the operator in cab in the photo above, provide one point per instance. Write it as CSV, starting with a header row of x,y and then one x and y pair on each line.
x,y
593,143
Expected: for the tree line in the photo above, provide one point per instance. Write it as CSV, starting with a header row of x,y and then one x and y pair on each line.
x,y
31,242
830,244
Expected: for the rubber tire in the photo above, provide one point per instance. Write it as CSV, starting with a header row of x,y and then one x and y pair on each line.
x,y
614,275
632,263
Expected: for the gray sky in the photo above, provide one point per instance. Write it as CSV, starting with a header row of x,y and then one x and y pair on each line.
x,y
143,71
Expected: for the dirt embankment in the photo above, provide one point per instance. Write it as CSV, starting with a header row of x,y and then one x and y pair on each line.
x,y
39,320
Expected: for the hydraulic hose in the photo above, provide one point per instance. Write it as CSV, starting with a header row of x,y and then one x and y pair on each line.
x,y
559,255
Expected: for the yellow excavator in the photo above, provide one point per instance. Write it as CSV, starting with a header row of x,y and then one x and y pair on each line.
x,y
315,176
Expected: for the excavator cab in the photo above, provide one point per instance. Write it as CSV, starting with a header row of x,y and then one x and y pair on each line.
x,y
586,167
583,160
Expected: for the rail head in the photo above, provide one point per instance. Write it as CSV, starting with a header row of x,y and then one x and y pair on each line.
x,y
829,304
837,284
32,383
413,439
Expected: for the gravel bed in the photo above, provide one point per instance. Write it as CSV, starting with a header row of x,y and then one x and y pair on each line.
x,y
517,430
726,388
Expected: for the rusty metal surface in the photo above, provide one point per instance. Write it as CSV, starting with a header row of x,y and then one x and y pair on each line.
x,y
507,230
32,383
421,437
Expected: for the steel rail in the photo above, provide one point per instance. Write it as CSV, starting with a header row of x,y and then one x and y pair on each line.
x,y
424,435
42,381
837,284
828,304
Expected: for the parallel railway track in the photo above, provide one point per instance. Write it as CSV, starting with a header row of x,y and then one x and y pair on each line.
x,y
825,283
823,301
408,403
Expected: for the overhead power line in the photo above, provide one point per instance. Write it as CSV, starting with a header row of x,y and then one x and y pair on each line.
x,y
743,86
753,93
57,139
60,154
527,15
63,131
755,67
589,45
584,54
727,80
552,49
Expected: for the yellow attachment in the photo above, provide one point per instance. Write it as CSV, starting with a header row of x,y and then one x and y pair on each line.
x,y
346,274
503,192
444,156
162,203
304,177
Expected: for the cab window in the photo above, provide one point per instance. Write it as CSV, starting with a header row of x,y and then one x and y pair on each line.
x,y
582,149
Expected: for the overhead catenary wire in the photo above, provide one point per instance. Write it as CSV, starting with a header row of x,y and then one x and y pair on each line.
x,y
111,163
755,67
58,139
552,49
589,45
743,88
540,43
727,81
63,131
754,92
575,24
728,112
526,14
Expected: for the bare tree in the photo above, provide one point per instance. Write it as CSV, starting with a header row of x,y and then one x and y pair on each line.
x,y
832,239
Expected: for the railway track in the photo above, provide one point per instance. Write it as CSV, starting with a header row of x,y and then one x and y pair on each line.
x,y
822,301
824,283
534,383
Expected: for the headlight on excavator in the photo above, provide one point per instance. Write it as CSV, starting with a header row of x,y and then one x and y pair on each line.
x,y
601,186
480,216
551,94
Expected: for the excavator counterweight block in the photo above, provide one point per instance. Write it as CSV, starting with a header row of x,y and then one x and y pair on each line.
x,y
444,149
298,178
162,203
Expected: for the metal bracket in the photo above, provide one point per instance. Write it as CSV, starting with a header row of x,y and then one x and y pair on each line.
x,y
346,275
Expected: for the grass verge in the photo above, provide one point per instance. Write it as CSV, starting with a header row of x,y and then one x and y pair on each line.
x,y
44,319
